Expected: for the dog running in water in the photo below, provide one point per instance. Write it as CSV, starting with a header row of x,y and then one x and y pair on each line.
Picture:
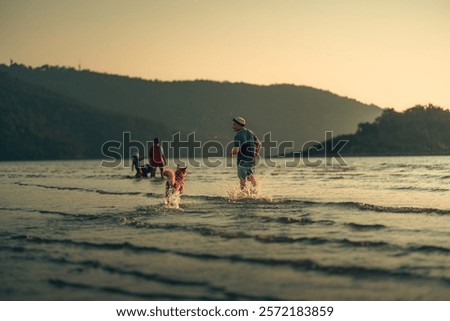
x,y
175,182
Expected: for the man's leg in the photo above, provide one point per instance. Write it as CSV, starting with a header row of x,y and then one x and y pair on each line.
x,y
152,171
242,181
252,180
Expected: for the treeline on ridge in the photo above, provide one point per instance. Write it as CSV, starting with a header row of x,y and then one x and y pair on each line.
x,y
420,130
37,123
206,108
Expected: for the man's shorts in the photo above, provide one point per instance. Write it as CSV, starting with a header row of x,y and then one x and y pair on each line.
x,y
245,169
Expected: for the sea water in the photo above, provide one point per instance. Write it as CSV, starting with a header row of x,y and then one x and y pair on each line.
x,y
377,229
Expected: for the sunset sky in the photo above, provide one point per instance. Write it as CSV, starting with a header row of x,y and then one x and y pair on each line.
x,y
392,53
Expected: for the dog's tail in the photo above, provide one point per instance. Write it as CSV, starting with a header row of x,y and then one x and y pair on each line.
x,y
170,176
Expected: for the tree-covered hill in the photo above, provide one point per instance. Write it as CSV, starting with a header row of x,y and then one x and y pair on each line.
x,y
37,123
421,130
290,113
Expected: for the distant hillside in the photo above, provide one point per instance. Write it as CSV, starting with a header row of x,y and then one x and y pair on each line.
x,y
291,113
421,130
36,123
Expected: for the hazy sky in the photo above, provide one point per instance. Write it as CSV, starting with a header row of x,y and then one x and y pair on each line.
x,y
393,53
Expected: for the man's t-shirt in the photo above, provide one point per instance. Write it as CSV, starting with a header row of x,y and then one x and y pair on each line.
x,y
156,155
245,139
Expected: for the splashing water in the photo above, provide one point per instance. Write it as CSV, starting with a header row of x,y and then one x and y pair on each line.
x,y
248,193
173,201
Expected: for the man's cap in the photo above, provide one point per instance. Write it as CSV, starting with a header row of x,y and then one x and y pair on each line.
x,y
239,121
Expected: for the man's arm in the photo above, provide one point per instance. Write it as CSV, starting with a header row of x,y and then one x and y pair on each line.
x,y
257,147
234,151
163,156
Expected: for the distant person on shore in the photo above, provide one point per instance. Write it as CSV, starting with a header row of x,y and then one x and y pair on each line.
x,y
246,146
156,158
141,170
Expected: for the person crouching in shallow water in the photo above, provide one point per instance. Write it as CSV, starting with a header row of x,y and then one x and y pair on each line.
x,y
137,164
141,170
156,158
246,147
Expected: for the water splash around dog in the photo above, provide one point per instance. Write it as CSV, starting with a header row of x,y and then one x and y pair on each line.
x,y
173,200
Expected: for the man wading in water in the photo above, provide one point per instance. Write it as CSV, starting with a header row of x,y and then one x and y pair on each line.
x,y
246,147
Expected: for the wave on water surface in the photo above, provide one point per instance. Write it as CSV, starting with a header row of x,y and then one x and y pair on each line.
x,y
300,264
